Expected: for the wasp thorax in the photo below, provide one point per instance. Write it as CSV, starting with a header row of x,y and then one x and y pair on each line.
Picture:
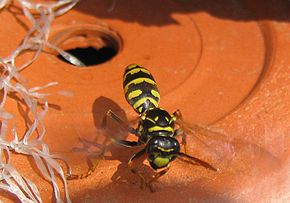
x,y
160,117
155,122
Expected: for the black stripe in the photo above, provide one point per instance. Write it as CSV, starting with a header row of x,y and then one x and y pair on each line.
x,y
127,69
129,77
146,105
146,91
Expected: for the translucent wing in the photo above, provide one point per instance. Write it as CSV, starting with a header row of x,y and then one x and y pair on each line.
x,y
208,144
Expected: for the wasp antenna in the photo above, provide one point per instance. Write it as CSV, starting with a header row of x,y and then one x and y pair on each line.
x,y
197,161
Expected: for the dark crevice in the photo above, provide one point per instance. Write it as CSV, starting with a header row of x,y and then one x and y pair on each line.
x,y
91,56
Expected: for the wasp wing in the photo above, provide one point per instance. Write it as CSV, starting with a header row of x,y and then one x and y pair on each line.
x,y
209,144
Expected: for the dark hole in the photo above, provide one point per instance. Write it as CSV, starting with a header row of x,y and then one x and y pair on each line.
x,y
91,56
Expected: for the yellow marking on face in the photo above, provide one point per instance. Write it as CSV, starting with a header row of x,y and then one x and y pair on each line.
x,y
155,93
167,119
161,161
138,81
134,94
142,100
156,118
159,128
165,150
131,66
137,70
140,110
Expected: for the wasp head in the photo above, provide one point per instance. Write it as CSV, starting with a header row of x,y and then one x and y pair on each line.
x,y
161,151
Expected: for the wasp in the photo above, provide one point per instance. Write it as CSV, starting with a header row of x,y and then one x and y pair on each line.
x,y
157,129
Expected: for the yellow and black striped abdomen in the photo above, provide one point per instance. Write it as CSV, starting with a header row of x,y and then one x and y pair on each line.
x,y
140,88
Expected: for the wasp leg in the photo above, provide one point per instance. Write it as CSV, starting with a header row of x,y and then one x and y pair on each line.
x,y
177,114
91,169
180,131
126,143
134,169
116,118
156,177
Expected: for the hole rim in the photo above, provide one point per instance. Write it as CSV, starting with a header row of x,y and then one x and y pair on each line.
x,y
84,36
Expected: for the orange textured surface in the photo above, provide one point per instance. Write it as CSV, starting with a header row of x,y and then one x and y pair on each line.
x,y
224,64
